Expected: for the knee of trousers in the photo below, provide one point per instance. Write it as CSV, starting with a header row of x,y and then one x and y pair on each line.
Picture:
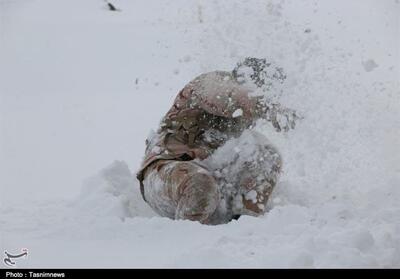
x,y
201,185
198,197
187,178
169,185
181,177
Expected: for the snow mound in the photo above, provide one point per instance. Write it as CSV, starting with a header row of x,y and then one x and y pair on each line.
x,y
114,191
109,217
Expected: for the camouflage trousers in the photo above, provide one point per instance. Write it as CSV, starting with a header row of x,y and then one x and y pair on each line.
x,y
237,179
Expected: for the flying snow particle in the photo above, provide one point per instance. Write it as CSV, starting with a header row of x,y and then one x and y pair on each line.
x,y
251,196
237,113
369,65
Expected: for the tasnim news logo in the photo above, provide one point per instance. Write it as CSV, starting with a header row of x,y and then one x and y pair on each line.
x,y
9,259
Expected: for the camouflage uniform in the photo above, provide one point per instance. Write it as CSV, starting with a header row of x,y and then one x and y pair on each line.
x,y
180,177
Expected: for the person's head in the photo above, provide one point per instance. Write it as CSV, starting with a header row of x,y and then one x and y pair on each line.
x,y
259,72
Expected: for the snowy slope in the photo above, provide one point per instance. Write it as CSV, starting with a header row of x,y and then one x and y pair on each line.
x,y
81,87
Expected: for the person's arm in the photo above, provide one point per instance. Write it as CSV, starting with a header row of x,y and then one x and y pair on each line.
x,y
281,118
243,105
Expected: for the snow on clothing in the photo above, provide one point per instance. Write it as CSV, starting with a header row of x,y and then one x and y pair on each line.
x,y
182,175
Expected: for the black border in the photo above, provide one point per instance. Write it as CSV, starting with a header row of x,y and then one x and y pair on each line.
x,y
184,273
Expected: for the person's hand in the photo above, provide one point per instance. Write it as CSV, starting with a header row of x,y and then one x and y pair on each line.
x,y
282,118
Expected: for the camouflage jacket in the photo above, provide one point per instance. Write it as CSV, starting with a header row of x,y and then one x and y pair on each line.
x,y
206,113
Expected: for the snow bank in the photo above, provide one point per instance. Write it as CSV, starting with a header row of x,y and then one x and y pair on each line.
x,y
108,219
113,192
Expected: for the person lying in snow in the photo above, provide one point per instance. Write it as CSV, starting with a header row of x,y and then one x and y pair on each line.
x,y
204,163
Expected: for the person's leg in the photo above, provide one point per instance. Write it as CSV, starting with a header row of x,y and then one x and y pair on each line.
x,y
258,179
247,170
258,174
181,190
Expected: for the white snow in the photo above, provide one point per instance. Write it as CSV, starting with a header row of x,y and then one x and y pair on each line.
x,y
252,195
237,113
81,87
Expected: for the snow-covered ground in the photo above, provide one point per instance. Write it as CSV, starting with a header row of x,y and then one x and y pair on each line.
x,y
81,87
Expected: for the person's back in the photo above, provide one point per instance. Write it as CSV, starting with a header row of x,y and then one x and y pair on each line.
x,y
180,178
